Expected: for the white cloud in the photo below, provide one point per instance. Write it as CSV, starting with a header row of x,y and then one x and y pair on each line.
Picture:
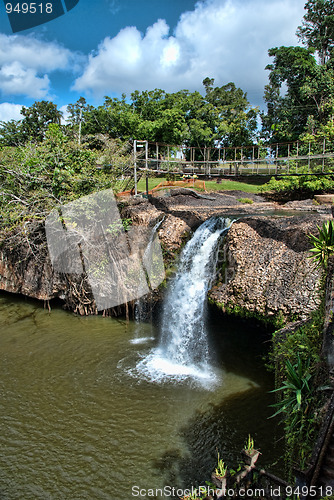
x,y
9,111
25,63
224,39
15,79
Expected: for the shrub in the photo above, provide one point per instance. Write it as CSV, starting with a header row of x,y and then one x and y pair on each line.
x,y
323,245
245,200
300,186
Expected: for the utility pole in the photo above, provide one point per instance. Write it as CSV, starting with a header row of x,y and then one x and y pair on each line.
x,y
80,120
135,163
146,166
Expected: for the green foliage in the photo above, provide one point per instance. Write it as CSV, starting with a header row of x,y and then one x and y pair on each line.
x,y
296,389
12,133
276,321
37,119
317,29
323,244
221,468
223,115
249,446
246,200
304,106
36,177
301,186
296,359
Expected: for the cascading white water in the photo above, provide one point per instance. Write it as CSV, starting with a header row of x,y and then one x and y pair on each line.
x,y
183,335
183,349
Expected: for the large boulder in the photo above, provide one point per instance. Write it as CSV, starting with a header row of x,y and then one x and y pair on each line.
x,y
267,272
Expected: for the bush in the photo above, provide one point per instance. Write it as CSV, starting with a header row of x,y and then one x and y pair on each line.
x,y
298,187
36,177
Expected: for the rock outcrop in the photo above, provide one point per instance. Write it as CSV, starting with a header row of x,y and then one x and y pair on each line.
x,y
267,270
25,267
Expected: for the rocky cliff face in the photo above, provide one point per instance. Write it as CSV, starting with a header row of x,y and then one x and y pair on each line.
x,y
25,265
266,269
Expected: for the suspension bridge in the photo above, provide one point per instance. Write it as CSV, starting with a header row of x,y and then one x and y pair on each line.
x,y
259,159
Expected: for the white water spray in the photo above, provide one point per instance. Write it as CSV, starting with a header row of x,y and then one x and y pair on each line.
x,y
183,350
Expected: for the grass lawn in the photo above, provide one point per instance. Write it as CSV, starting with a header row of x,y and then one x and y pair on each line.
x,y
226,185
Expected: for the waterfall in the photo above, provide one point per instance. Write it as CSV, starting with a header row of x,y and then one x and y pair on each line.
x,y
183,349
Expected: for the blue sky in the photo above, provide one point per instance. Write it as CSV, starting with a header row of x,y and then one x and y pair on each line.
x,y
106,47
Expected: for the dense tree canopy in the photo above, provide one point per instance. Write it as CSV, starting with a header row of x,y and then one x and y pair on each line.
x,y
299,98
33,126
222,116
317,29
300,92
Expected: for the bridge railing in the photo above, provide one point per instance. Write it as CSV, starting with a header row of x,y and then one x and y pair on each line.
x,y
273,159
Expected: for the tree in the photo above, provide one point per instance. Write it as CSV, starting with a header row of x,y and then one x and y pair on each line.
x,y
76,116
317,29
223,115
308,90
12,133
38,117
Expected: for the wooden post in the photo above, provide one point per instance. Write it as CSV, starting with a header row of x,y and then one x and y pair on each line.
x,y
323,155
157,154
241,157
146,155
208,160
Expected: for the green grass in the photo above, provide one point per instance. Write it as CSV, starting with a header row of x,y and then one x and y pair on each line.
x,y
152,182
226,185
245,200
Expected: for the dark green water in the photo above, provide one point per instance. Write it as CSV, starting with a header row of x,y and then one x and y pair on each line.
x,y
75,424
